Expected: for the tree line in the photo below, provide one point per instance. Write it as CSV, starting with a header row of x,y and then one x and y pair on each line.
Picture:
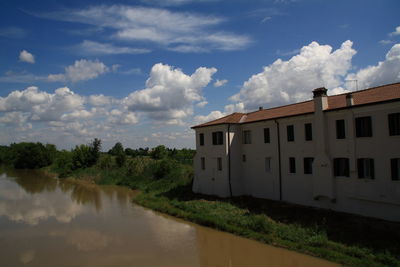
x,y
29,155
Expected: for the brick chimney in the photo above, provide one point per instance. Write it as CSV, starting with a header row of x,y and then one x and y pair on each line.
x,y
320,99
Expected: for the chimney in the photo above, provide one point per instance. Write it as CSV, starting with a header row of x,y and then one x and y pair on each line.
x,y
320,99
260,108
349,100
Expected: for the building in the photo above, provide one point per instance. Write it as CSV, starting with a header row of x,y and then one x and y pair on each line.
x,y
338,152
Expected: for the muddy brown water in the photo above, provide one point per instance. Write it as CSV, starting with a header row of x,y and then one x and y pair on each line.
x,y
49,222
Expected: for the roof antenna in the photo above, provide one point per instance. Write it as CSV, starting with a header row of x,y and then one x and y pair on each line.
x,y
356,81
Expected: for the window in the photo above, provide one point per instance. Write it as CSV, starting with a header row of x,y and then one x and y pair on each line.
x,y
292,165
290,133
203,163
217,138
219,164
341,167
363,127
201,137
268,164
395,166
308,131
308,165
340,129
244,158
394,123
365,168
266,135
246,137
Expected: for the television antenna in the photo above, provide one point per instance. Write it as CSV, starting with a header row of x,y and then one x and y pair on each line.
x,y
356,81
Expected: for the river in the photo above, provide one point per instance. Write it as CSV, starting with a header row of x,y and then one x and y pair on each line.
x,y
50,222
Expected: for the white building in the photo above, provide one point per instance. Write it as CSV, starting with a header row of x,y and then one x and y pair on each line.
x,y
337,152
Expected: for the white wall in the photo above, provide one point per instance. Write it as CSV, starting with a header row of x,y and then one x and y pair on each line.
x,y
379,197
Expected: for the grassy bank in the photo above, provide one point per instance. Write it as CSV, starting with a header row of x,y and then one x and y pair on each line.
x,y
165,186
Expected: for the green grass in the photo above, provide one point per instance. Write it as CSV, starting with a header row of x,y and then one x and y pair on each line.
x,y
343,238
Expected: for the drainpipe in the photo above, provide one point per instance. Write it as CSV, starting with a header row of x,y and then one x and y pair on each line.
x,y
279,160
229,160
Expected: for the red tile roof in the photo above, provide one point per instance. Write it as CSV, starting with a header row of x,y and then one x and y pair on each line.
x,y
363,97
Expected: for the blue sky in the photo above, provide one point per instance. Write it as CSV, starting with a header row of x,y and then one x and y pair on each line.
x,y
143,72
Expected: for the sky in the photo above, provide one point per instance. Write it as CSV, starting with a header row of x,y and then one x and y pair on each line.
x,y
143,72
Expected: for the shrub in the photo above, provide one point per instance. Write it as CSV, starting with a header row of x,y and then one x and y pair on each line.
x,y
31,155
163,168
159,152
64,164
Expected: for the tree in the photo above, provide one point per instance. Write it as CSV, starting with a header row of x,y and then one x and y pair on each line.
x,y
116,149
130,152
119,153
159,152
94,151
81,157
30,155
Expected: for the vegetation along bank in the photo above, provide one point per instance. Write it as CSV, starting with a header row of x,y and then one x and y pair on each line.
x,y
164,177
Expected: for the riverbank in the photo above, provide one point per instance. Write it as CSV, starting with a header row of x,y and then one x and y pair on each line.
x,y
343,238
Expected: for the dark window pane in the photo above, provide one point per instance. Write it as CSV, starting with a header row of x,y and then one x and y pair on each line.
x,y
246,137
341,167
308,165
292,165
365,167
217,138
266,135
340,129
244,158
308,131
394,123
219,164
363,127
395,167
203,163
201,136
290,133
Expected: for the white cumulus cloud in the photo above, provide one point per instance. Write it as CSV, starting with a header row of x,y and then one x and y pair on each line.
x,y
169,94
292,80
25,56
387,71
396,32
219,83
81,70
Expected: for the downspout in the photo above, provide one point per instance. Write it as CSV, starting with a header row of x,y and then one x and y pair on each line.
x,y
279,160
229,160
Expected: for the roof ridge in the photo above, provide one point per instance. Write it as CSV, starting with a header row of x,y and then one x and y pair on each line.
x,y
366,89
280,106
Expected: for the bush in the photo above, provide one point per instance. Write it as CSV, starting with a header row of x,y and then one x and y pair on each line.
x,y
81,157
106,162
64,164
119,153
86,155
31,155
163,168
159,152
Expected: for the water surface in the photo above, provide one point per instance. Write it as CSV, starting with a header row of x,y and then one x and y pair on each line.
x,y
50,222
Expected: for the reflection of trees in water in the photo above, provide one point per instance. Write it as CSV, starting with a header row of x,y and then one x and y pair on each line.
x,y
122,195
33,181
87,194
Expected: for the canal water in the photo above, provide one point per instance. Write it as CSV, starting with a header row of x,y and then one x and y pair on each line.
x,y
49,222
